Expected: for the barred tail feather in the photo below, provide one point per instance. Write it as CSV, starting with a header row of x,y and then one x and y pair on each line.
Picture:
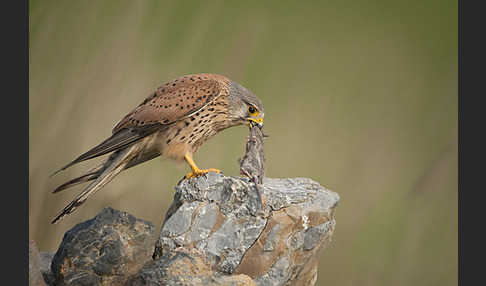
x,y
113,168
76,181
95,172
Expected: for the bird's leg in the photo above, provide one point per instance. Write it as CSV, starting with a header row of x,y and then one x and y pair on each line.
x,y
196,172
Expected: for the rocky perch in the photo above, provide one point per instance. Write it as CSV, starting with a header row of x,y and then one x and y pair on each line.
x,y
219,230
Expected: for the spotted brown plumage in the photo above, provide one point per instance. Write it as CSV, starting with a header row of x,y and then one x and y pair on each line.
x,y
176,100
174,122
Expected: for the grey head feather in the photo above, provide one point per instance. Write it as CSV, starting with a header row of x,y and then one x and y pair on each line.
x,y
240,97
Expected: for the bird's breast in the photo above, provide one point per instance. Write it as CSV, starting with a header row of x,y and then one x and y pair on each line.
x,y
188,134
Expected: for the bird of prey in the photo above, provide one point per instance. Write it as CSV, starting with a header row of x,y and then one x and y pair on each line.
x,y
172,122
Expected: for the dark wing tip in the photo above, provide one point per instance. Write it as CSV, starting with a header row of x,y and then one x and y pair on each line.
x,y
67,210
63,168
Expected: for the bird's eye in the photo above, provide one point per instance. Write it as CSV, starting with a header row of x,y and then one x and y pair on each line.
x,y
251,109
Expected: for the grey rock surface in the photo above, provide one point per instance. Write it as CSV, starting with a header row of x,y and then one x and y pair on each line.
x,y
45,267
216,214
35,275
184,267
218,222
105,250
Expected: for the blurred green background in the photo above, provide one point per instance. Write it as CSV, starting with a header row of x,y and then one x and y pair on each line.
x,y
360,96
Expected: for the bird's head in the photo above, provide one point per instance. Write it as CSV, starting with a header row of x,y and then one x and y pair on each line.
x,y
245,107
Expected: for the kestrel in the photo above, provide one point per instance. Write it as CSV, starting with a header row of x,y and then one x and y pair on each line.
x,y
173,122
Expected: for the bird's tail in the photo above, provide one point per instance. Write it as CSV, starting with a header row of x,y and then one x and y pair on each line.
x,y
97,171
89,176
101,175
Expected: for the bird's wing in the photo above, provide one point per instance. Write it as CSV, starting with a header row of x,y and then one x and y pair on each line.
x,y
173,101
119,140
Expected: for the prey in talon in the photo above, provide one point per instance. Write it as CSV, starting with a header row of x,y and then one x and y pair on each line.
x,y
173,122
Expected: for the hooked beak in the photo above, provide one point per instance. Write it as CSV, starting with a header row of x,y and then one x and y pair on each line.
x,y
256,122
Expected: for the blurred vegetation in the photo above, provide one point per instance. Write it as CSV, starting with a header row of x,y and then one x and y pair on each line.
x,y
360,96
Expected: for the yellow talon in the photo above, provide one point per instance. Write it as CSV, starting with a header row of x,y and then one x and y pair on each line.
x,y
200,172
196,172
